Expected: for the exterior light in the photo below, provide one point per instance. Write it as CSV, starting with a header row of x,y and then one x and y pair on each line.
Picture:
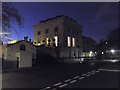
x,y
102,52
106,42
39,44
112,51
90,54
95,52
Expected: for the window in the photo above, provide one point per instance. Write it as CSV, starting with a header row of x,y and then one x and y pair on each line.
x,y
47,41
22,48
39,33
46,31
39,43
69,41
56,29
56,40
73,42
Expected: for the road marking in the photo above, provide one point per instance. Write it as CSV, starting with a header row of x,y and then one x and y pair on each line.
x,y
76,77
45,88
83,74
97,71
81,78
111,70
57,84
93,73
73,81
67,80
89,72
88,75
62,85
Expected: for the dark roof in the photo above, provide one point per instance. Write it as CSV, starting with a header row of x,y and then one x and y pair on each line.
x,y
58,17
19,42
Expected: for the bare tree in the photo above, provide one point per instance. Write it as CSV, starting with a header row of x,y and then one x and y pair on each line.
x,y
10,14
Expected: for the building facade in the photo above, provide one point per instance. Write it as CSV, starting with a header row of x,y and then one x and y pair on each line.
x,y
89,46
62,33
18,55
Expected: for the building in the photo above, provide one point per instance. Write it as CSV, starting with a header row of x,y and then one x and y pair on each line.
x,y
89,46
18,54
61,33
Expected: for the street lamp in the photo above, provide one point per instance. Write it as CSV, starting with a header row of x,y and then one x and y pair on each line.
x,y
112,51
102,52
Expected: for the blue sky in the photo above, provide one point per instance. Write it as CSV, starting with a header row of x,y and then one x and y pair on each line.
x,y
97,18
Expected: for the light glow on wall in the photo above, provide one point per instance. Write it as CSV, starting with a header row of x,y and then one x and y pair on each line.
x,y
56,40
112,51
47,41
90,54
39,44
69,41
73,42
12,42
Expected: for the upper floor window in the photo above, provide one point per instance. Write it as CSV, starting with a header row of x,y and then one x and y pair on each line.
x,y
73,42
68,41
46,31
56,29
39,33
22,47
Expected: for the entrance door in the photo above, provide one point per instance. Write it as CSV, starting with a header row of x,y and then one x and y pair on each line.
x,y
17,62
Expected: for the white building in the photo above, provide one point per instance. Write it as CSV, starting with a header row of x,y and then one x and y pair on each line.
x,y
19,54
62,33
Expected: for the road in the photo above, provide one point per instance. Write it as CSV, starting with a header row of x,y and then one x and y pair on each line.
x,y
82,75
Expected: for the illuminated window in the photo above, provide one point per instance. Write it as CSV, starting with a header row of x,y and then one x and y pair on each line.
x,y
73,42
47,41
39,43
56,40
69,41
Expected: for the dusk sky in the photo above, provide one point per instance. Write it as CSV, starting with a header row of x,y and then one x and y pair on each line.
x,y
96,18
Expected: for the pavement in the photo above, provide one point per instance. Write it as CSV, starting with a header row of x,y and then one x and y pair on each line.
x,y
81,75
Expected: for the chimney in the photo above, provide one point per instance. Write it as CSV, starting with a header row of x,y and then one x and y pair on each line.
x,y
26,38
30,41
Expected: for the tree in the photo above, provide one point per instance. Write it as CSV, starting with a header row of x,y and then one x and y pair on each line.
x,y
9,14
114,37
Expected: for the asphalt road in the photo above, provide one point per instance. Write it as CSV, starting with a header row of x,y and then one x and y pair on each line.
x,y
82,75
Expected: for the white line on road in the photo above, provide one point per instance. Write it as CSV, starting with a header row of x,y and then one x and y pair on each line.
x,y
111,70
89,72
97,71
57,84
45,88
88,75
93,73
81,78
62,85
73,81
67,80
83,74
76,77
